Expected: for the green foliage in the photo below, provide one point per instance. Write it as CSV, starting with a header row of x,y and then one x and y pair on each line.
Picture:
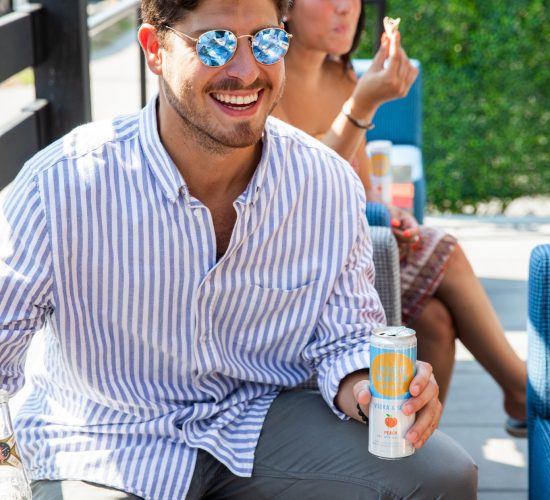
x,y
486,75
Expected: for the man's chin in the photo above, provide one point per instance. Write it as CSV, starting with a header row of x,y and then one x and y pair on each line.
x,y
242,136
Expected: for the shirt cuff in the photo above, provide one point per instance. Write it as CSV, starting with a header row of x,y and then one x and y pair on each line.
x,y
330,374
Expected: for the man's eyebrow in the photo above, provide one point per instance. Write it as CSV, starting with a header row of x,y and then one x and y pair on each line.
x,y
199,32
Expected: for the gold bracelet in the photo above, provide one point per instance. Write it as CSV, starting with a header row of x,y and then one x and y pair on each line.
x,y
358,123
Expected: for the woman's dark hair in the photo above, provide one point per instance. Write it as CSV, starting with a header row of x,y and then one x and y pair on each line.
x,y
346,58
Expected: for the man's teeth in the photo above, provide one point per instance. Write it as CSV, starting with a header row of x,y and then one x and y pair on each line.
x,y
236,99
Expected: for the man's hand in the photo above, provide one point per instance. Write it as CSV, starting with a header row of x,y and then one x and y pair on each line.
x,y
424,403
389,77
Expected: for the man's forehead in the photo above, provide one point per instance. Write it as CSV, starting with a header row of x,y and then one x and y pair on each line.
x,y
242,16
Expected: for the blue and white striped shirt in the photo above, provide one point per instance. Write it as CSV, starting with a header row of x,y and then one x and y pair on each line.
x,y
152,347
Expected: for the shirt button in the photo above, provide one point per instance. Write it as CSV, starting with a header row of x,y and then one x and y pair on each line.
x,y
197,212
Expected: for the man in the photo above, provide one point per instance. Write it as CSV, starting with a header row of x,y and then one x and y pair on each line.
x,y
190,263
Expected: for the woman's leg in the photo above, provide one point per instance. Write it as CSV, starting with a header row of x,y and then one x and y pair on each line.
x,y
436,342
480,331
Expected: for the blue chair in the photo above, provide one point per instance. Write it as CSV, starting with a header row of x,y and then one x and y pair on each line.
x,y
377,214
400,121
538,370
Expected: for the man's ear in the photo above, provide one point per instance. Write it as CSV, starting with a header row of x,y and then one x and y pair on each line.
x,y
150,44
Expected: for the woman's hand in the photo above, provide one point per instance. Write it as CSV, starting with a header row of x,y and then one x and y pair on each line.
x,y
406,231
383,82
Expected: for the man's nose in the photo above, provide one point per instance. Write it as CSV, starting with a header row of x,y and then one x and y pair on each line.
x,y
243,65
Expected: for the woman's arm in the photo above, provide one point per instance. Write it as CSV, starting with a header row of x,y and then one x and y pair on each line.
x,y
380,83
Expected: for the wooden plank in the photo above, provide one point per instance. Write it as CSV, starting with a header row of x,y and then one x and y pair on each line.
x,y
63,78
15,37
21,138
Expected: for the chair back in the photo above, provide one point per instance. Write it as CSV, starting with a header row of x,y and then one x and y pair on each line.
x,y
400,120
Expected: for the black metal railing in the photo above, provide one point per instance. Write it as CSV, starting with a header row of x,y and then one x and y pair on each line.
x,y
380,6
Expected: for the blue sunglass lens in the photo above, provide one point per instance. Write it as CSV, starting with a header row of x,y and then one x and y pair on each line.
x,y
270,45
216,48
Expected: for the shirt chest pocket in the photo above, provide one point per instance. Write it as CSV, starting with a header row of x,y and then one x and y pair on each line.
x,y
271,321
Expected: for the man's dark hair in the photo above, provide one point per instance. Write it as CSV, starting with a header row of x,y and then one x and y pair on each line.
x,y
167,12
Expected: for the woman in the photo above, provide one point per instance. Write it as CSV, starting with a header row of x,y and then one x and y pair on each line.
x,y
442,299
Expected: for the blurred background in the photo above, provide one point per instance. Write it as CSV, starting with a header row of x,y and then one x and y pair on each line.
x,y
486,97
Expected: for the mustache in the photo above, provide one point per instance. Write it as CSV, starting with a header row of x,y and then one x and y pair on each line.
x,y
229,84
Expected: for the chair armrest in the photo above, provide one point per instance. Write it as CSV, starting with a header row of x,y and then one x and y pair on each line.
x,y
387,281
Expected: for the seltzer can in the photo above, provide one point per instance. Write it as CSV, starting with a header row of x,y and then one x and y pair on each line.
x,y
392,367
379,153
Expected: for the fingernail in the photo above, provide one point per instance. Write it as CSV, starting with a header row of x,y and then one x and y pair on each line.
x,y
412,436
395,222
407,409
407,233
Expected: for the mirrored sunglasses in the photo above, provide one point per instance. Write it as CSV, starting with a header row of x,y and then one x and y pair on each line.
x,y
216,47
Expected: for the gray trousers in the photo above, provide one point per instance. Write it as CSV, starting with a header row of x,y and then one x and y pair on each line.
x,y
305,452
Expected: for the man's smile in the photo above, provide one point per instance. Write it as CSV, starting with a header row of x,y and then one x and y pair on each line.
x,y
238,102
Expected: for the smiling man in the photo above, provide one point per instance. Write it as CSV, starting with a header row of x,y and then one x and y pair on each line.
x,y
188,264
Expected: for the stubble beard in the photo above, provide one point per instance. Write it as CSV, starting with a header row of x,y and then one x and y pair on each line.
x,y
212,138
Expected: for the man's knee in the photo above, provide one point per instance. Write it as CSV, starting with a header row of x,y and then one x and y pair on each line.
x,y
448,471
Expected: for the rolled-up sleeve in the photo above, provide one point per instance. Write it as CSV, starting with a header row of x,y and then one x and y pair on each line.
x,y
25,274
341,344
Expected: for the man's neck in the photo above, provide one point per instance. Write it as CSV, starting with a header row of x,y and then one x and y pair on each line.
x,y
210,175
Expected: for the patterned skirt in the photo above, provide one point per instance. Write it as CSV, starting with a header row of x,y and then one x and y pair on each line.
x,y
422,270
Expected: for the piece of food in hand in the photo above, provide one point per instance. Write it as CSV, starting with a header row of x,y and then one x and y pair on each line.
x,y
391,25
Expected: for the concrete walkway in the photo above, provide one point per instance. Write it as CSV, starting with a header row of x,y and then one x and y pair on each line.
x,y
498,248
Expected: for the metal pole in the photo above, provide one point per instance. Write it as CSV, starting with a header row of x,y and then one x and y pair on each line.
x,y
142,69
63,79
381,8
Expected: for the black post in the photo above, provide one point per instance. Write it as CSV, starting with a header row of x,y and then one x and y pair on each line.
x,y
142,69
381,8
63,79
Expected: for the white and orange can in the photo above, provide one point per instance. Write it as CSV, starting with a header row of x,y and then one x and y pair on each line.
x,y
392,367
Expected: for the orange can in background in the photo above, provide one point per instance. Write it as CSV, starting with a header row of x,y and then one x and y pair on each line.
x,y
379,153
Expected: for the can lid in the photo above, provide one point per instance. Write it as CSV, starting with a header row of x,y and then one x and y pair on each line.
x,y
4,396
393,331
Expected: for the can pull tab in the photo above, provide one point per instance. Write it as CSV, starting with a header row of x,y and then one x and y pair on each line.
x,y
393,333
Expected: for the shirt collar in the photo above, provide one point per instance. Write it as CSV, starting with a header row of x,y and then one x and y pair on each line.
x,y
160,163
167,174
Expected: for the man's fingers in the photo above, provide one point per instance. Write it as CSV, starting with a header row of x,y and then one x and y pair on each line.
x,y
426,423
361,392
417,402
424,372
